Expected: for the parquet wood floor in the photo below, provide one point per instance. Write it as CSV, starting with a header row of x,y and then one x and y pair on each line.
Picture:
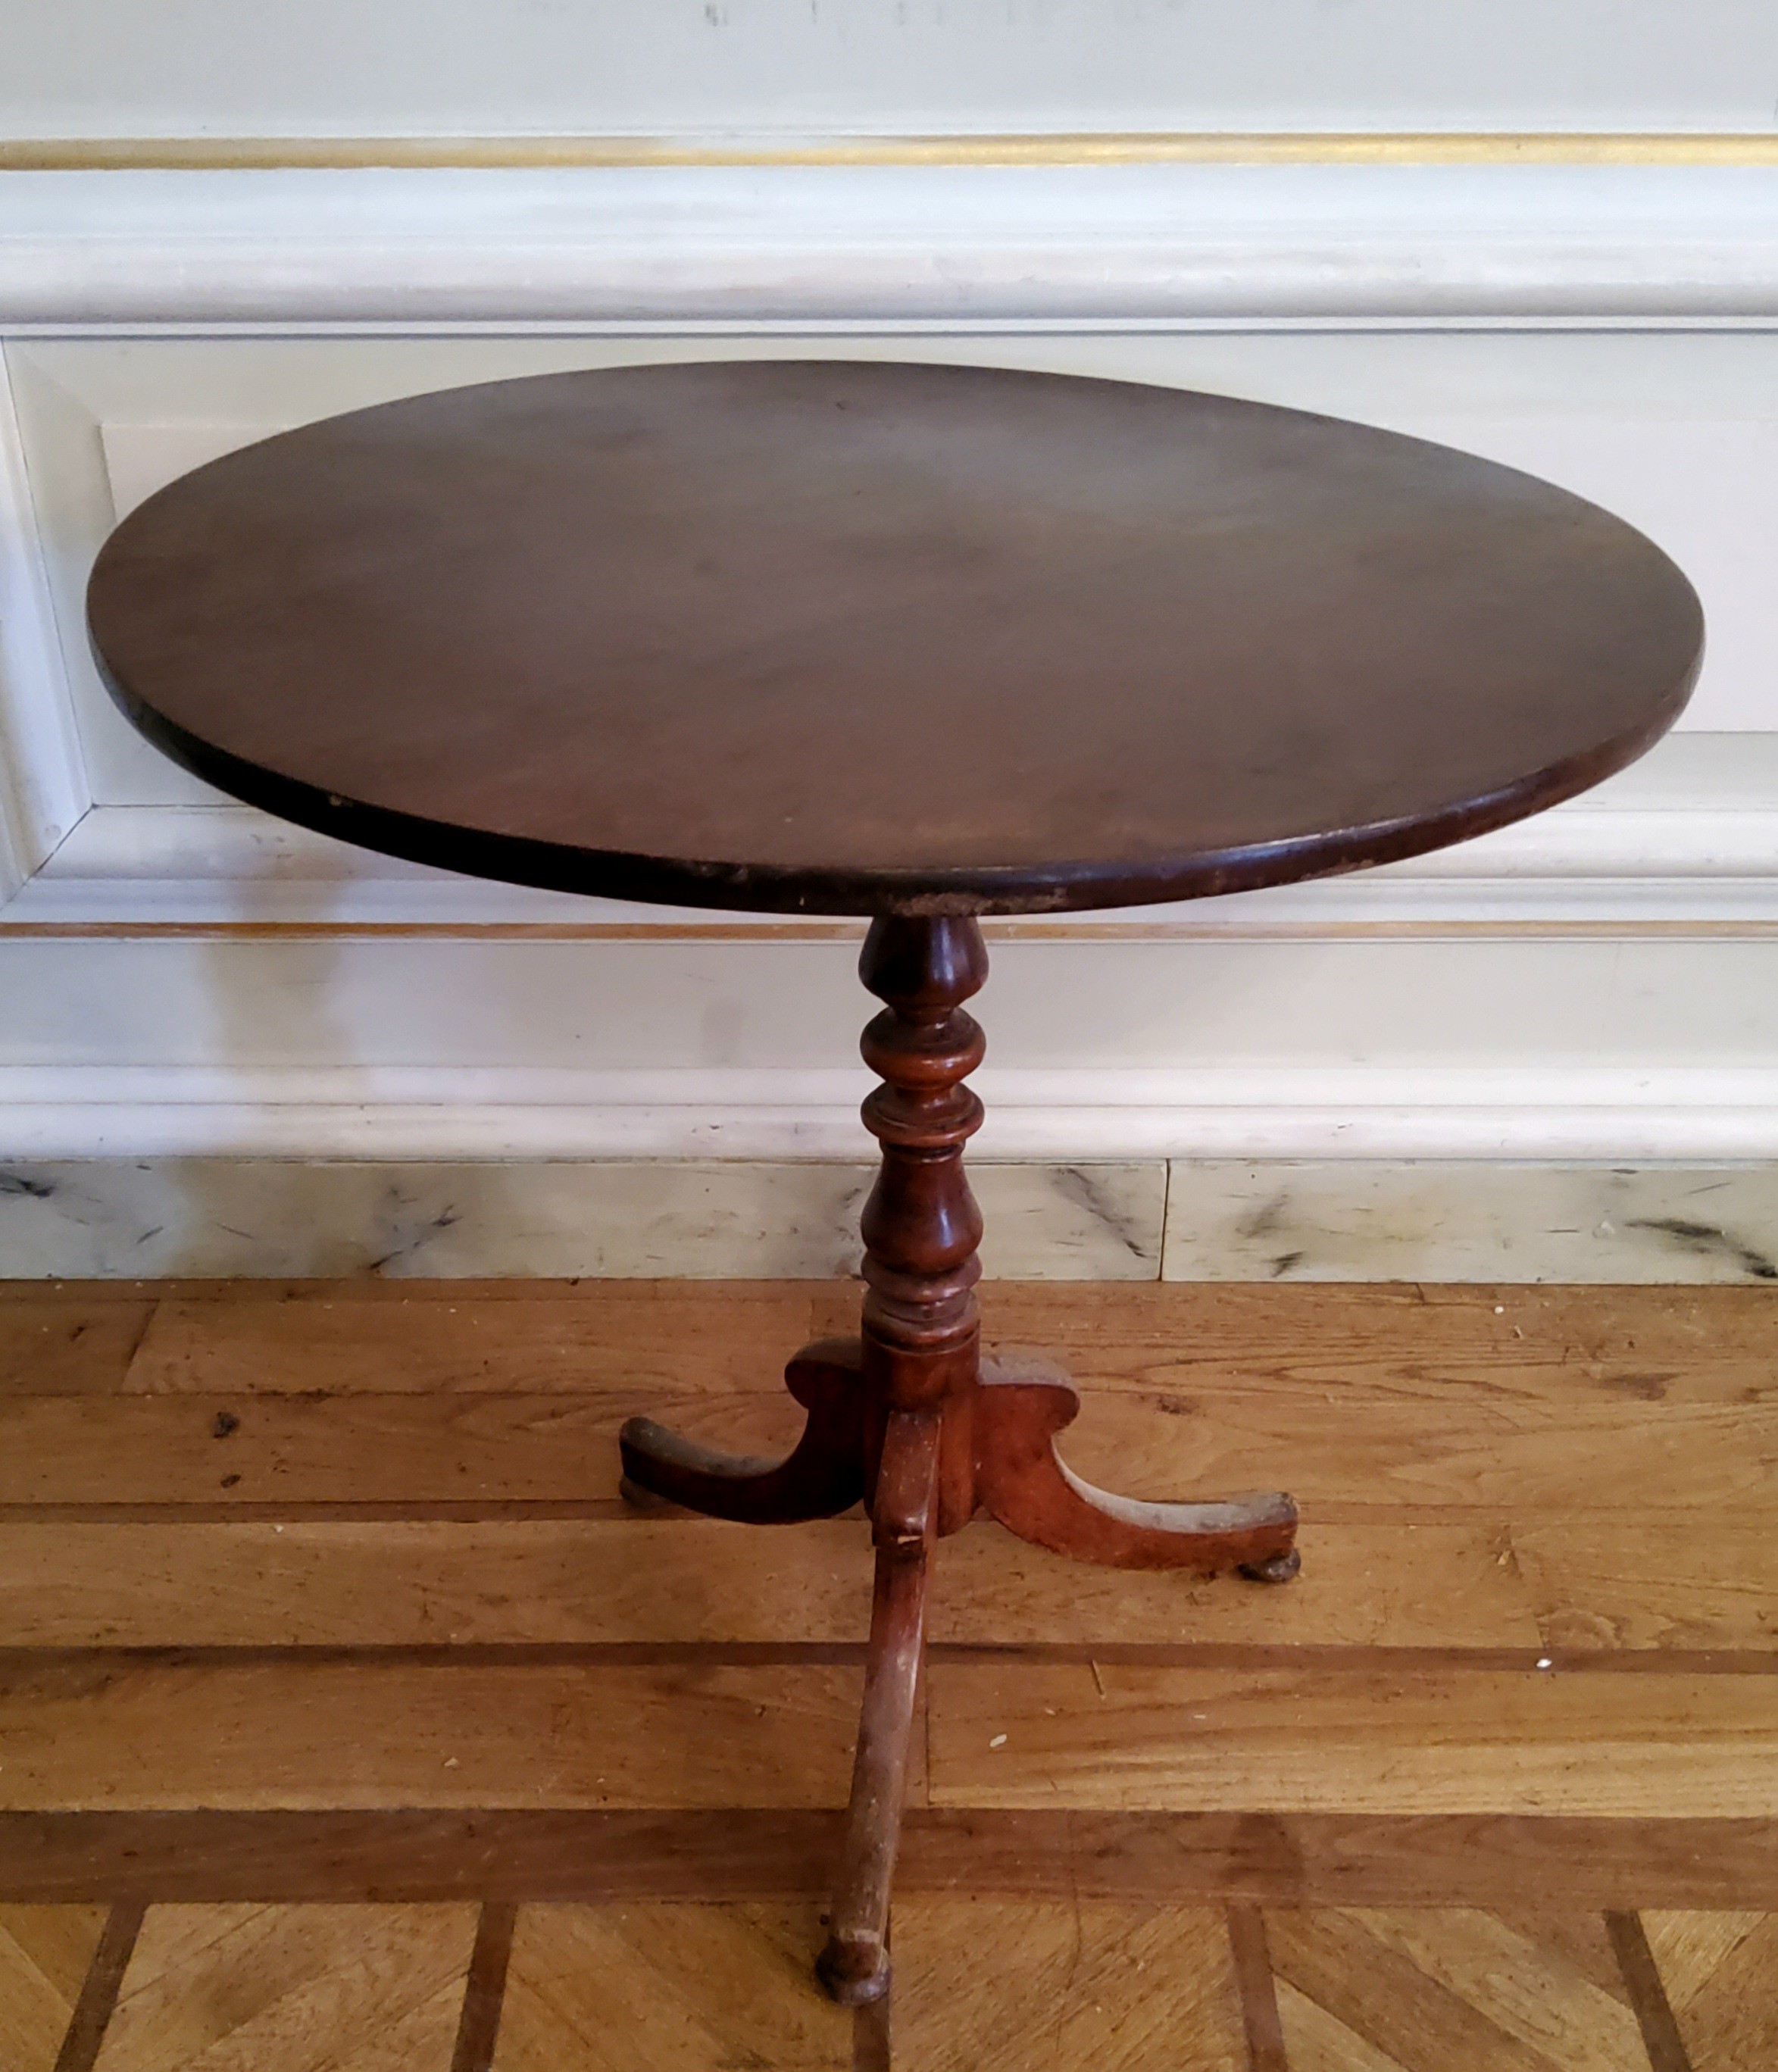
x,y
348,1721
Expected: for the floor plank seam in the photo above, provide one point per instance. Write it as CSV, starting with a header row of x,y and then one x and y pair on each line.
x,y
1642,1980
1258,1989
1258,1657
484,1987
99,1991
489,1853
137,1343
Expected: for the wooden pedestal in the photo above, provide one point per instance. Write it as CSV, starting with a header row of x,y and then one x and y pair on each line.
x,y
911,1419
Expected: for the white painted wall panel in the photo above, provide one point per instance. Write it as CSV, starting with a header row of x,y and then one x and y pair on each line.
x,y
1084,1005
80,68
1469,1047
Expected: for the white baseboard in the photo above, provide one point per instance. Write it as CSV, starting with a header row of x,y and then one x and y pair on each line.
x,y
1620,1114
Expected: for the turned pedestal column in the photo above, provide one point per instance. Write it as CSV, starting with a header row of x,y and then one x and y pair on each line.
x,y
909,1416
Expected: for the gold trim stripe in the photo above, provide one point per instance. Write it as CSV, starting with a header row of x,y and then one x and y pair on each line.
x,y
1088,148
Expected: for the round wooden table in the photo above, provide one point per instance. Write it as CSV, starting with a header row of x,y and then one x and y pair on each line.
x,y
922,643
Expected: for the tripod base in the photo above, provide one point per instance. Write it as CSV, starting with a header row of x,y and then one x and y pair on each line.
x,y
986,1448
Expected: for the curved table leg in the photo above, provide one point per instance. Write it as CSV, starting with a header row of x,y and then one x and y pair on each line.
x,y
1021,1404
855,1965
823,1475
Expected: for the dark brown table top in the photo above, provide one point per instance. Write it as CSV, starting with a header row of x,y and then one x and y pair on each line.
x,y
855,636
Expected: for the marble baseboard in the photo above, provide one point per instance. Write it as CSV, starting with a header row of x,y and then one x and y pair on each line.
x,y
220,1217
1470,1220
1216,1220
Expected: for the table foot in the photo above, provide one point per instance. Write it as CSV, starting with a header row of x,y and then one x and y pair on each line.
x,y
853,1974
1021,1402
823,1475
854,1967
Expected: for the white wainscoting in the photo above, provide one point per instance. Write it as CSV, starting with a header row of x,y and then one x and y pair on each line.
x,y
180,975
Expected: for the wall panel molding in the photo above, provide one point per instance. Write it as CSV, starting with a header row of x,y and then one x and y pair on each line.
x,y
1687,841
182,977
44,790
844,243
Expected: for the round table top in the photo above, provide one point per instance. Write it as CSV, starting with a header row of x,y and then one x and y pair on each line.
x,y
859,636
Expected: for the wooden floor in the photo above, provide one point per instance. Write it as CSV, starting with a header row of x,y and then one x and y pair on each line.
x,y
348,1721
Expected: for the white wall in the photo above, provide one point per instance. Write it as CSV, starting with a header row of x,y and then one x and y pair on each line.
x,y
239,68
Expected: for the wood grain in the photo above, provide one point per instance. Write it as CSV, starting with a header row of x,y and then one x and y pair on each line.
x,y
485,1852
291,1989
1444,1739
362,1338
1427,1991
1230,1730
1408,1460
345,1732
1118,1986
1545,1428
1629,1344
1619,1583
1233,1334
570,1853
1431,1449
396,1581
1449,1584
417,1582
1720,1973
1100,1984
679,1988
417,1656
45,1952
407,1449
1640,1343
58,1343
1538,1414
1320,2042
1581,1938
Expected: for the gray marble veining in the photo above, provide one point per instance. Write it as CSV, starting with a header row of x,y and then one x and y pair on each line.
x,y
1224,1220
202,1217
1470,1220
